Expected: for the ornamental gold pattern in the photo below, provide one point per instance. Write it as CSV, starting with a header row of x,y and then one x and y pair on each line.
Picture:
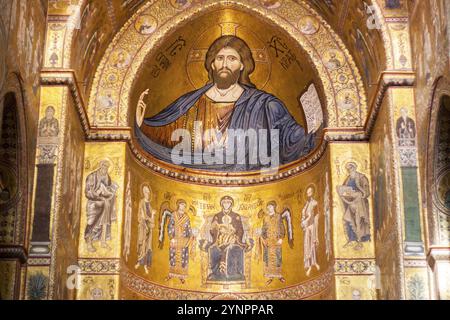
x,y
121,224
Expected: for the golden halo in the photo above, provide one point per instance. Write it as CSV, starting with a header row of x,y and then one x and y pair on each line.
x,y
141,189
98,161
313,186
350,160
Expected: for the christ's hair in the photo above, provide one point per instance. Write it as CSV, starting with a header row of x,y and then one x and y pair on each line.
x,y
244,52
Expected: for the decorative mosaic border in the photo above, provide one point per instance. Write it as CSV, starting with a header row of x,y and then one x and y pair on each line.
x,y
415,263
38,261
354,267
153,291
99,266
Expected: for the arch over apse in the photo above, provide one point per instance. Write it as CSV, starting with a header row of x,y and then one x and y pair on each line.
x,y
288,17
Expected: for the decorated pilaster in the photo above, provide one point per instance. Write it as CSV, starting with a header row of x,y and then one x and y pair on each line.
x,y
398,213
353,239
101,221
59,162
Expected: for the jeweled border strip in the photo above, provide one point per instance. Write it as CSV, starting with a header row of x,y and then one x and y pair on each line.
x,y
99,266
354,266
154,291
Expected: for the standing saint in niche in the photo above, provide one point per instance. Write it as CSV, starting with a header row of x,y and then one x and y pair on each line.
x,y
310,226
355,193
101,209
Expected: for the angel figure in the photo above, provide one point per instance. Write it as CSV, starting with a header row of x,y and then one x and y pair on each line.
x,y
181,238
274,229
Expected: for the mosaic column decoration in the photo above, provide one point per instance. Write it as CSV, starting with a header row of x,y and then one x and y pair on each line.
x,y
47,259
48,142
48,146
353,247
402,118
100,243
404,210
405,138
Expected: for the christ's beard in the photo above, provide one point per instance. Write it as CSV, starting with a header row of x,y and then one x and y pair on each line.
x,y
225,78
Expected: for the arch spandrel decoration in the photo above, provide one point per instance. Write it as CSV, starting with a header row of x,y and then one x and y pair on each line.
x,y
115,84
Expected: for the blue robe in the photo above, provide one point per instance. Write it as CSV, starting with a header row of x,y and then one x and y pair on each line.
x,y
255,110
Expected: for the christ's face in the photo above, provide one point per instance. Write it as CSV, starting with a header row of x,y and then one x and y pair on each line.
x,y
271,209
227,67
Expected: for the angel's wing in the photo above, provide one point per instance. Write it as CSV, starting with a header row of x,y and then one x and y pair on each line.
x,y
205,231
287,220
247,237
165,214
316,225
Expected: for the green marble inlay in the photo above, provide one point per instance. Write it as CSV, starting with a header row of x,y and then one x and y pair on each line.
x,y
411,205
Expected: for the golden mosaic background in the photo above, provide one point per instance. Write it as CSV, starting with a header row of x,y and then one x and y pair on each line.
x,y
402,63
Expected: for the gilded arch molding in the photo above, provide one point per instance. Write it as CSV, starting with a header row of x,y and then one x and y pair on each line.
x,y
335,82
436,218
13,84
